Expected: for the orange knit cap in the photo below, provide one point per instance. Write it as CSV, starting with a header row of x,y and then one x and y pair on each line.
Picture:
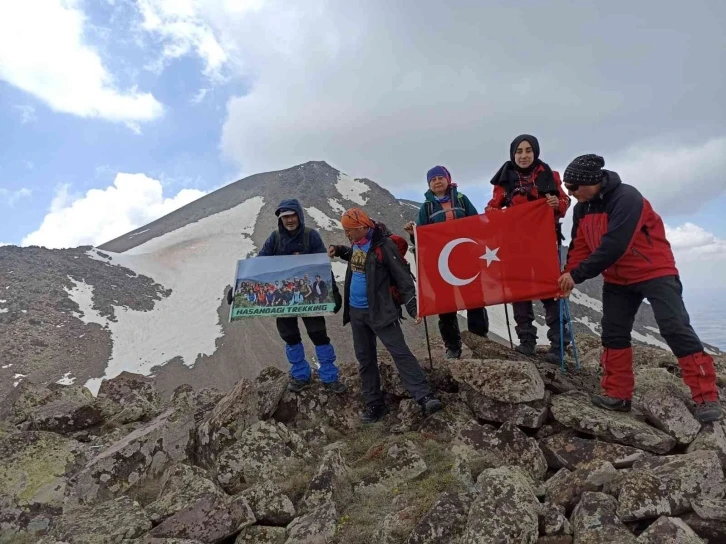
x,y
356,218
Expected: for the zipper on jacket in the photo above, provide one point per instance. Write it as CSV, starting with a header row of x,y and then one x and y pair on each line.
x,y
647,235
636,252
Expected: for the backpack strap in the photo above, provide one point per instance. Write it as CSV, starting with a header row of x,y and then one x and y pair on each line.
x,y
429,210
277,242
306,240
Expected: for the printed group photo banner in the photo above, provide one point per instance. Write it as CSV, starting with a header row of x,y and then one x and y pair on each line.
x,y
284,286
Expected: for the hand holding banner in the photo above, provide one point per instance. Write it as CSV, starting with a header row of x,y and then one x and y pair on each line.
x,y
507,255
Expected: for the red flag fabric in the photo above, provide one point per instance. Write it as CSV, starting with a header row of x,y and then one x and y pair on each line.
x,y
507,255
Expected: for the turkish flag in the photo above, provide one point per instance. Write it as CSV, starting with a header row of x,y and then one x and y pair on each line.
x,y
501,256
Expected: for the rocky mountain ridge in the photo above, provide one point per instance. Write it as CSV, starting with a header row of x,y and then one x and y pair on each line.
x,y
151,301
517,455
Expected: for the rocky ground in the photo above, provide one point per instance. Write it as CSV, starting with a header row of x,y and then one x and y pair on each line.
x,y
518,455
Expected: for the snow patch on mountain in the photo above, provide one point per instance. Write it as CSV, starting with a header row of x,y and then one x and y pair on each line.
x,y
336,206
82,294
197,262
594,327
339,269
323,221
67,379
584,300
648,339
352,189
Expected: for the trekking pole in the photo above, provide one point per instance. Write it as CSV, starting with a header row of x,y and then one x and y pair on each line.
x,y
568,315
509,330
428,344
562,303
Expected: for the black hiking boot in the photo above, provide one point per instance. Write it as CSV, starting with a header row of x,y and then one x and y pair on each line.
x,y
336,387
553,355
373,413
295,385
611,403
429,404
708,411
453,353
526,349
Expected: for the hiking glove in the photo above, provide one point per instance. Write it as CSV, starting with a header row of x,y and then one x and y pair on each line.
x,y
230,297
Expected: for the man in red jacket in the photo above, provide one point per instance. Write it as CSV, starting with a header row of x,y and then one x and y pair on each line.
x,y
617,234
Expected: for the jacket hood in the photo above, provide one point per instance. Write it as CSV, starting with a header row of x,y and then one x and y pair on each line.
x,y
611,180
291,204
429,195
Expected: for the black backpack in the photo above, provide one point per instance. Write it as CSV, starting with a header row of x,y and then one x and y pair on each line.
x,y
306,240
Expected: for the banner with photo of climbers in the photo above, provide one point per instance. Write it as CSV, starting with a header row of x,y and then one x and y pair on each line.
x,y
284,286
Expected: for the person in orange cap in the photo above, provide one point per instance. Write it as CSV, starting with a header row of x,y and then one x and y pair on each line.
x,y
374,264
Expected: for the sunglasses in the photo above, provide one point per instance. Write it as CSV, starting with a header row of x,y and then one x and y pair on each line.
x,y
572,187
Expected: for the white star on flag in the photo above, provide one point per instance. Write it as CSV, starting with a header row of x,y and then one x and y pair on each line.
x,y
490,255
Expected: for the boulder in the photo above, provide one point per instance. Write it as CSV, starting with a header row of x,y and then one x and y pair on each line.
x,y
266,450
395,526
665,486
714,509
710,530
316,527
210,518
506,509
321,406
669,530
408,417
444,425
503,381
553,520
575,410
671,415
485,348
402,463
269,504
526,414
315,437
271,384
72,409
594,521
111,521
145,452
712,437
24,521
569,451
224,424
180,485
261,534
27,395
566,488
34,465
445,521
129,397
506,446
650,379
330,483
557,539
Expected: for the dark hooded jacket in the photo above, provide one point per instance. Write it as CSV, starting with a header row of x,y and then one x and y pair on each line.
x,y
292,243
380,275
619,235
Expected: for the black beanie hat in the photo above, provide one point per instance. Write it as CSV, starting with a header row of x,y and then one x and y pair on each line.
x,y
585,170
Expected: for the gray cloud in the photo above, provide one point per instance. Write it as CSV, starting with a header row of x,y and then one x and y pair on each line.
x,y
385,90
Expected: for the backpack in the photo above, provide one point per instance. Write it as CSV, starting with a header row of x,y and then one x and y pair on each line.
x,y
430,205
402,246
306,240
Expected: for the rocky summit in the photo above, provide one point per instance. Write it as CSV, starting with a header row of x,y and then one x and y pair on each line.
x,y
518,455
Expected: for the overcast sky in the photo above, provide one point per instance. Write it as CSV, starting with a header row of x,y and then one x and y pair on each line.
x,y
116,112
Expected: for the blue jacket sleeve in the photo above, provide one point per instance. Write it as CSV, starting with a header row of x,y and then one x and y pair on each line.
x,y
267,247
316,243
